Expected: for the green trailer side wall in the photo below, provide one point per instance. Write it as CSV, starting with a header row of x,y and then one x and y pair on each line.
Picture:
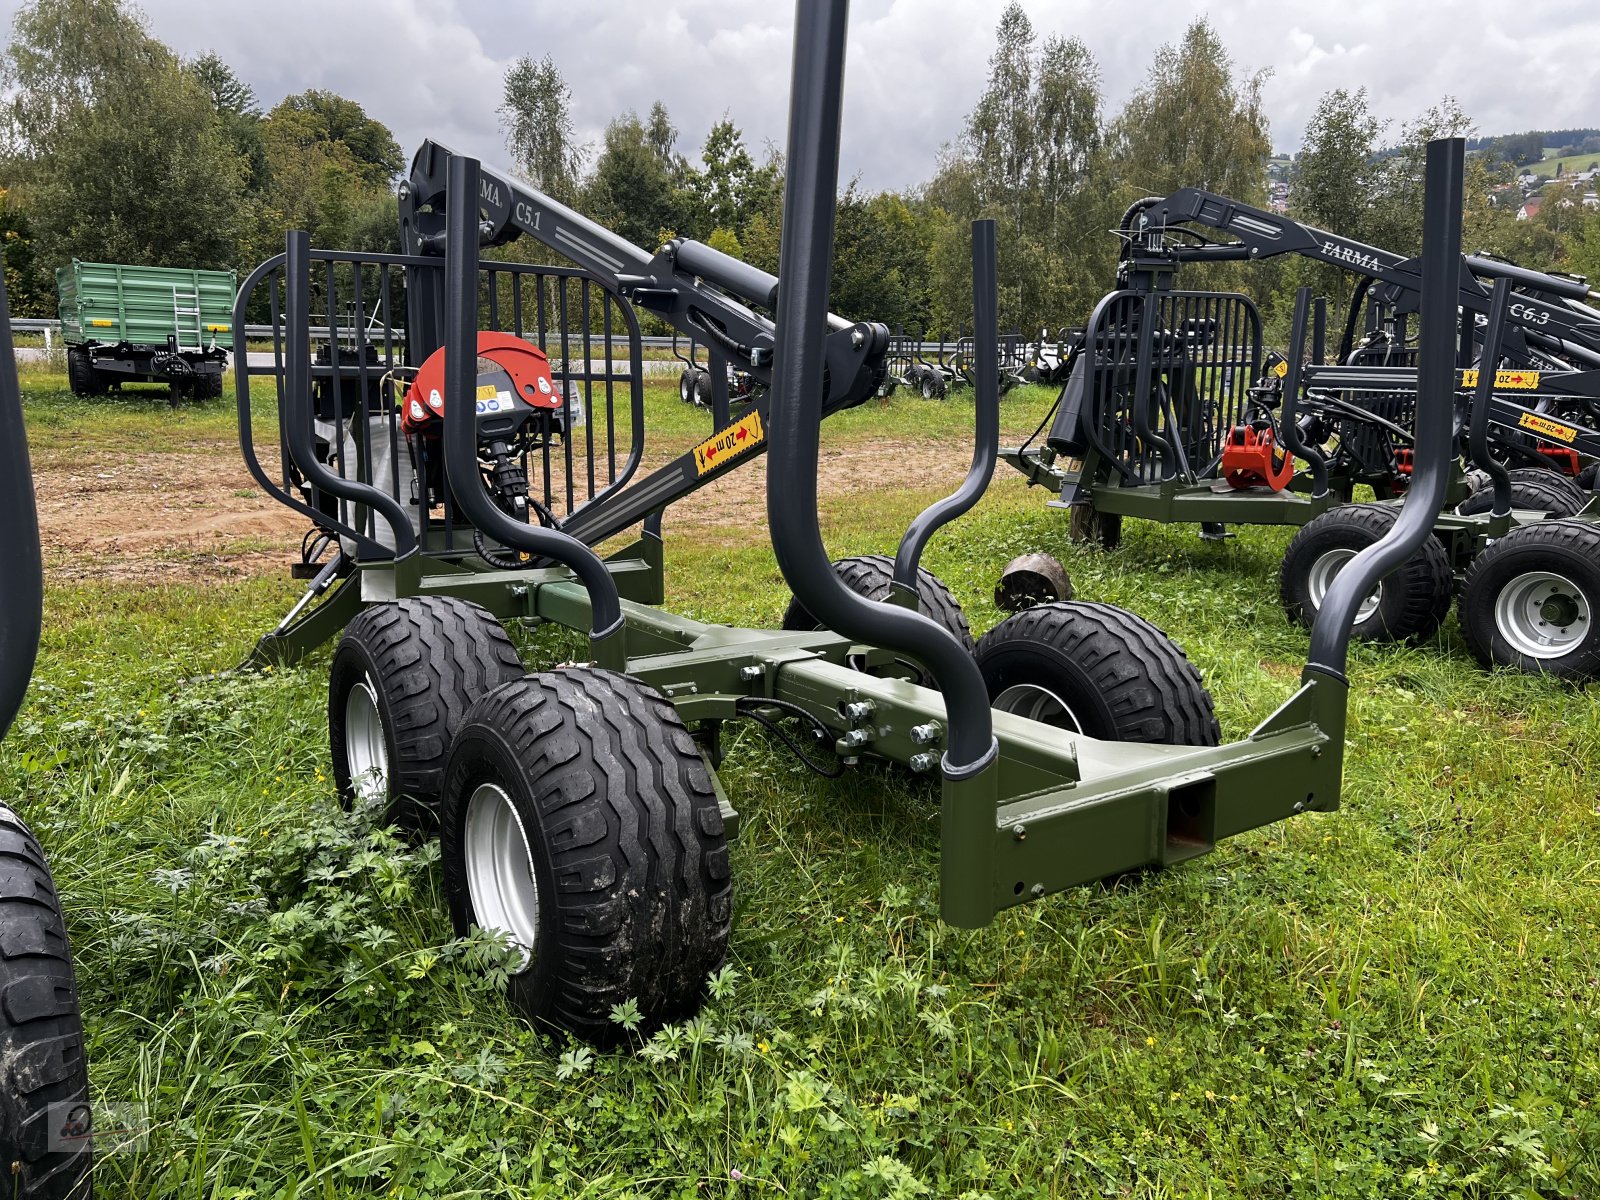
x,y
107,302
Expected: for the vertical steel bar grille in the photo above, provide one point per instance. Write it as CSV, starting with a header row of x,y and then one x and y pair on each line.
x,y
1170,376
360,366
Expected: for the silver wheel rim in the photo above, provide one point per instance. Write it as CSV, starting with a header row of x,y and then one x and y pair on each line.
x,y
1542,615
500,882
1323,573
1035,703
366,753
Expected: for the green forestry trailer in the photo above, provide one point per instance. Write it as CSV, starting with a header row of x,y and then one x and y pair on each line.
x,y
126,324
579,809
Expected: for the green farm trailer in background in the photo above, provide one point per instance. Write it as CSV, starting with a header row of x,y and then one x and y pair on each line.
x,y
146,325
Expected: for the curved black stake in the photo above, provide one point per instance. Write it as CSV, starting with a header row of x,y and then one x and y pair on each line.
x,y
1483,397
986,389
21,580
460,431
1435,423
1291,399
796,411
297,423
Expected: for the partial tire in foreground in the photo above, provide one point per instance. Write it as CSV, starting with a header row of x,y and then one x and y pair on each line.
x,y
870,576
44,1081
1531,601
1409,605
1100,671
579,819
403,676
1532,488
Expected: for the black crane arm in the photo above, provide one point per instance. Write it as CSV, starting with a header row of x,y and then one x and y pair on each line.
x,y
698,290
1549,310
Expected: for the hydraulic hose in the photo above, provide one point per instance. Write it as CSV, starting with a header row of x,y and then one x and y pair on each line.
x,y
797,389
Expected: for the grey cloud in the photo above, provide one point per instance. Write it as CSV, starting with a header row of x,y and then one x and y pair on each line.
x,y
432,68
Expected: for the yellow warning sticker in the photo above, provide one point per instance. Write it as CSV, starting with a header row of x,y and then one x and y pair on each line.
x,y
1509,381
487,391
1547,427
743,435
1281,370
102,323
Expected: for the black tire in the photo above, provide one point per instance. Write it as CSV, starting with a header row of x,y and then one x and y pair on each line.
x,y
1535,488
82,377
1554,565
1099,670
422,662
1411,602
687,382
1585,478
626,843
1089,526
41,1030
702,389
870,576
932,385
208,385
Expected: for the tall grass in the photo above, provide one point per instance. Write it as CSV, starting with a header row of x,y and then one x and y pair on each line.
x,y
1396,998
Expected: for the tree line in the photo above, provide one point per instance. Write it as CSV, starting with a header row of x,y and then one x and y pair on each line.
x,y
116,149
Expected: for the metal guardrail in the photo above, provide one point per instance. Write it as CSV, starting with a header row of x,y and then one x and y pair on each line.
x,y
51,328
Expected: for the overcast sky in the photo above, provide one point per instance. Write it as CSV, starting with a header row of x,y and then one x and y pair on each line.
x,y
433,68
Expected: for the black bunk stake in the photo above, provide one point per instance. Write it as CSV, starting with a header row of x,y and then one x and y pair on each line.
x,y
970,774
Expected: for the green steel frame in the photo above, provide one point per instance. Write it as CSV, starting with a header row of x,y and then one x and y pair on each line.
x,y
1056,811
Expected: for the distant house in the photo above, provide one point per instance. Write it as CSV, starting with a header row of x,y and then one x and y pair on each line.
x,y
1529,210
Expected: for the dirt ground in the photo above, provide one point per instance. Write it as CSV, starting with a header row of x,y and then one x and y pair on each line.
x,y
195,515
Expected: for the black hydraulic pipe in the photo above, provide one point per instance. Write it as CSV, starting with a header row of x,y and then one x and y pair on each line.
x,y
986,396
1493,268
460,414
297,415
1483,397
1289,418
732,275
1435,415
21,577
796,412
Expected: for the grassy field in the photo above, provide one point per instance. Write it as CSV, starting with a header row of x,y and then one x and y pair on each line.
x,y
1398,998
1569,164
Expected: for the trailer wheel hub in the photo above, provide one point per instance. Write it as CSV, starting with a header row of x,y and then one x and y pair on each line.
x,y
1035,703
499,869
1542,614
365,750
1323,573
